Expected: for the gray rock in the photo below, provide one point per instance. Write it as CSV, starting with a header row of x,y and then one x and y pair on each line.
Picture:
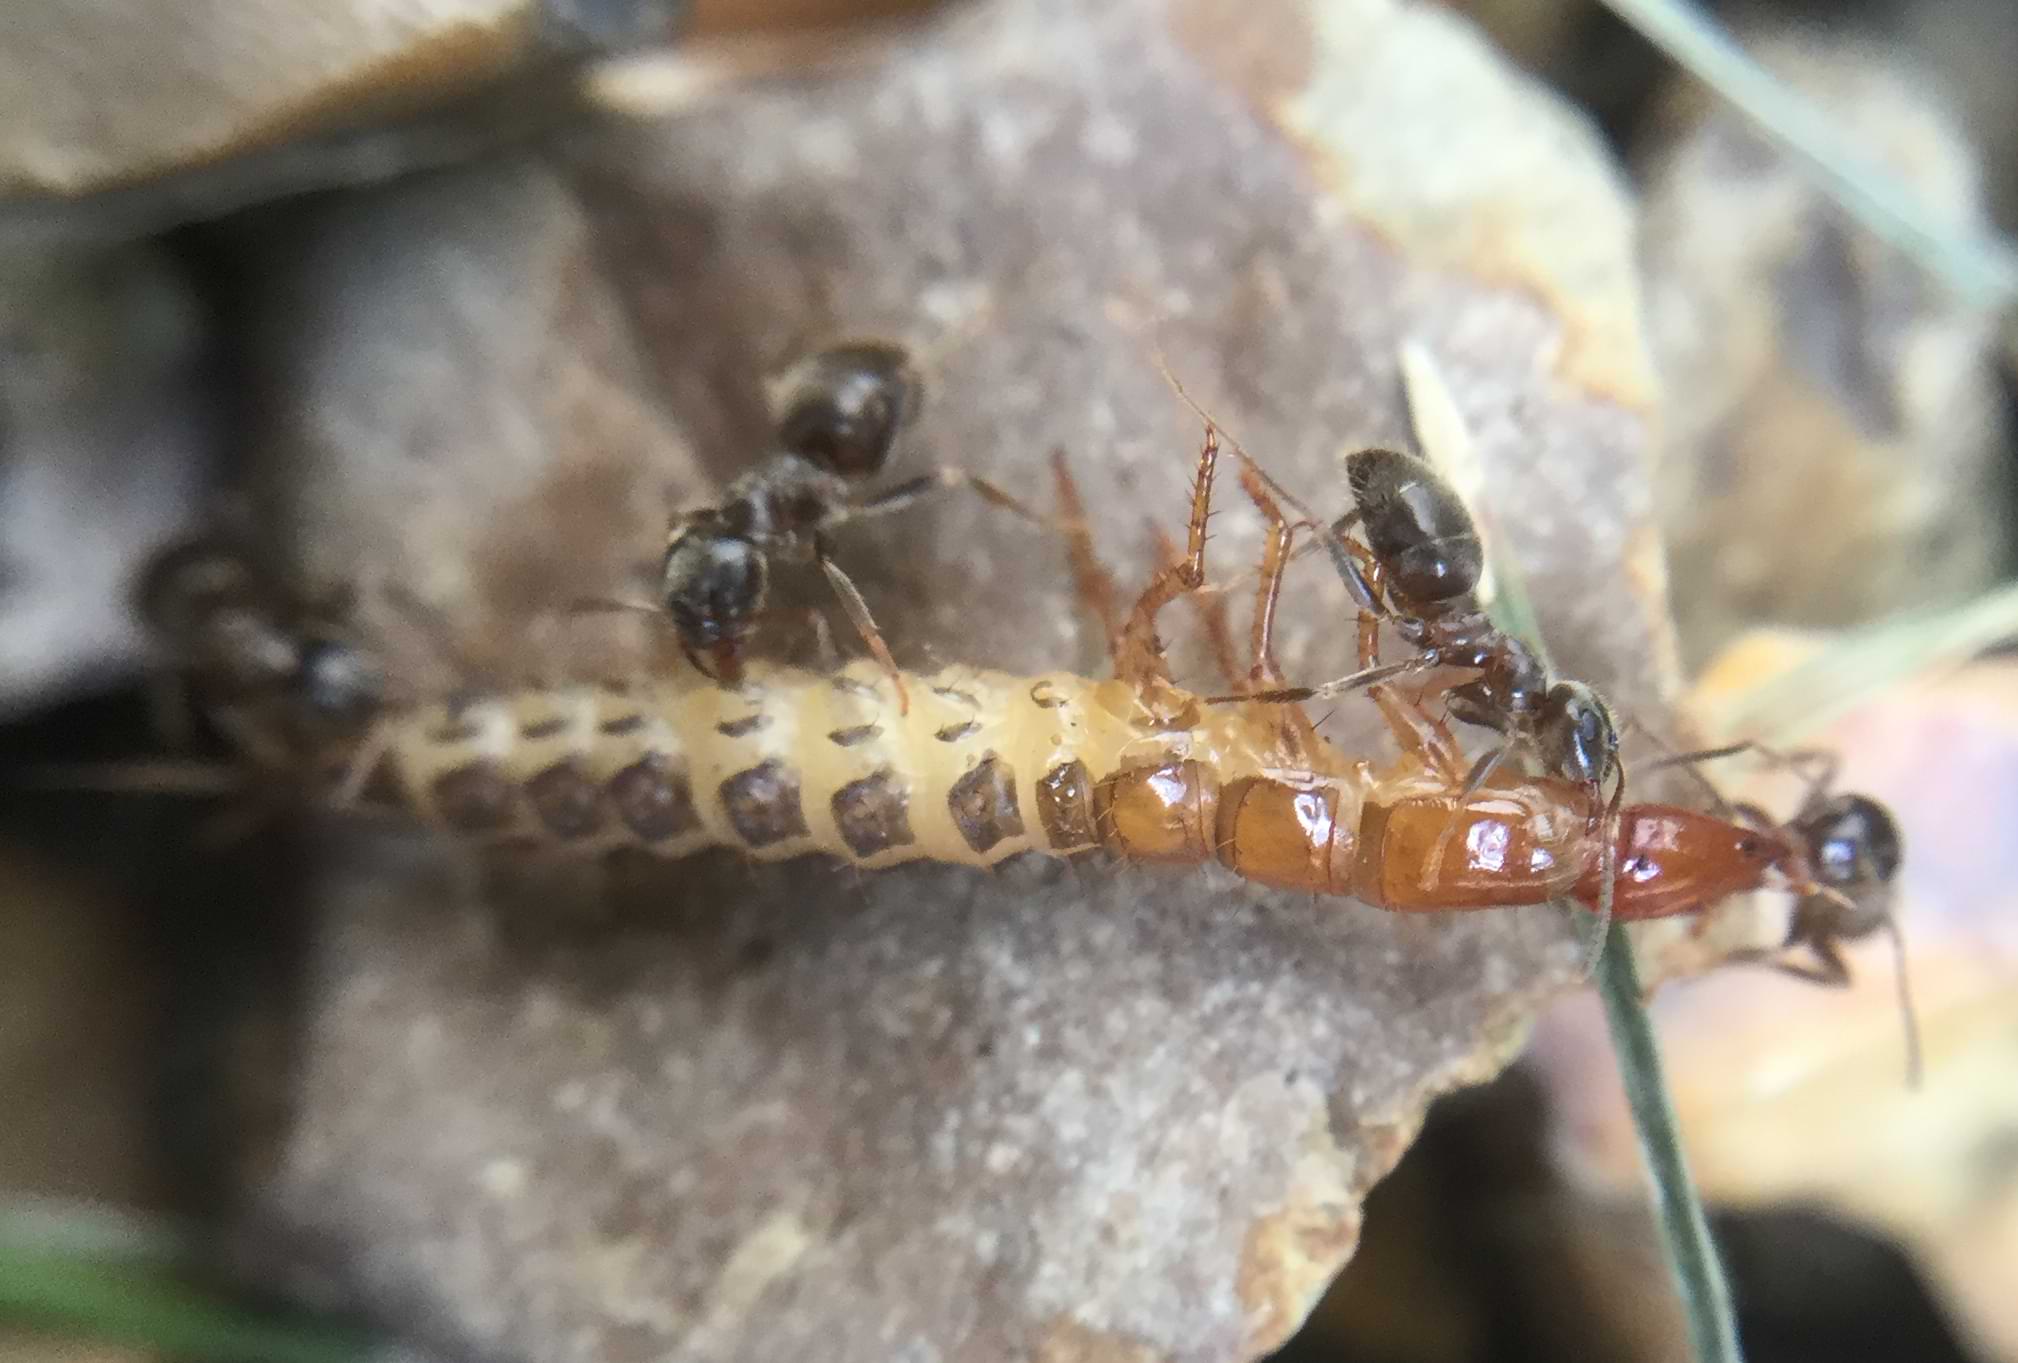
x,y
1838,454
707,1111
107,435
169,112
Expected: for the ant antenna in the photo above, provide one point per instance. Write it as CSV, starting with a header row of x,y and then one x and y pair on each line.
x,y
1908,1016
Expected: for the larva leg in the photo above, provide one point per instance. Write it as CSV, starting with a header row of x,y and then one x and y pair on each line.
x,y
1141,662
1297,731
1090,578
1211,606
865,623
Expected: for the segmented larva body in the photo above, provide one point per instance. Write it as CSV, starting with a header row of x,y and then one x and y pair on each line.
x,y
981,766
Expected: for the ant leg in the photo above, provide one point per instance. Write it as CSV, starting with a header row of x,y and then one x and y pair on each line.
x,y
1140,661
1483,769
858,611
1090,578
943,479
1815,767
1830,971
1690,763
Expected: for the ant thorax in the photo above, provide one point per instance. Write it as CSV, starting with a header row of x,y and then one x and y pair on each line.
x,y
782,502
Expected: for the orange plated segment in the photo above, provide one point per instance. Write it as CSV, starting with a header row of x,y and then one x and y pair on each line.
x,y
1161,813
1285,835
1672,860
1493,848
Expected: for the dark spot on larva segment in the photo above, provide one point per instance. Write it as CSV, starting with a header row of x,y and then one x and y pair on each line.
x,y
953,733
848,738
654,799
873,814
614,688
1045,696
566,800
454,730
474,797
1065,807
736,728
621,725
955,694
983,804
763,804
543,728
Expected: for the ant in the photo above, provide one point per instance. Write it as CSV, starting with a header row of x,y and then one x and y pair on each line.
x,y
838,413
1849,850
1419,570
273,673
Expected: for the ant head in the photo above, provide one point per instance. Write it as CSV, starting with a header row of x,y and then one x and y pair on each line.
x,y
843,407
712,582
337,680
1416,525
1853,851
1576,734
186,583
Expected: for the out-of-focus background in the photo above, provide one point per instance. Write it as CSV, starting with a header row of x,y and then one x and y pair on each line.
x,y
266,263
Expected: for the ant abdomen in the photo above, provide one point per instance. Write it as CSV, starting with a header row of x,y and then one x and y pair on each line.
x,y
842,408
1416,525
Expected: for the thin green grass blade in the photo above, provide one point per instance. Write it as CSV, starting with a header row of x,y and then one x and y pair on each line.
x,y
1685,1238
1685,1233
1981,269
123,1304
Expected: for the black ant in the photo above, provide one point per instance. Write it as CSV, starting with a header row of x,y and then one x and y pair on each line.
x,y
274,674
1851,850
838,413
1419,570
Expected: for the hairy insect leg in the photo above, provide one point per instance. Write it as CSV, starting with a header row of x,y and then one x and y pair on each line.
x,y
1263,672
1090,579
1140,659
865,623
1211,606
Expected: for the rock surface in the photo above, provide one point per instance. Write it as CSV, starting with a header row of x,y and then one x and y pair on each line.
x,y
1058,1113
1837,456
183,110
107,436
